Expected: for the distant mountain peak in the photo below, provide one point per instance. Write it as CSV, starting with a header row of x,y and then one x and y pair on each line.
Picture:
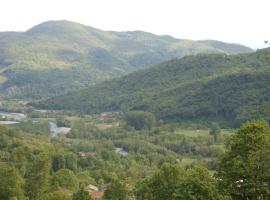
x,y
58,26
67,55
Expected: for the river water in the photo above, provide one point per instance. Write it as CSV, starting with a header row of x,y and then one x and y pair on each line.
x,y
8,122
15,118
55,130
11,118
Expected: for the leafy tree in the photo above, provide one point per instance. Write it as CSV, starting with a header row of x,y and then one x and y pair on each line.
x,y
214,130
140,119
143,190
244,169
175,183
116,191
61,121
84,178
58,195
81,195
37,177
19,158
11,184
197,184
71,161
62,160
162,184
65,178
58,161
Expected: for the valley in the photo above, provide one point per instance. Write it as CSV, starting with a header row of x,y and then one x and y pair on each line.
x,y
103,149
107,137
89,114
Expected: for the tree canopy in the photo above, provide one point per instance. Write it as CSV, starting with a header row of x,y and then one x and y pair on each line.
x,y
11,184
140,119
244,168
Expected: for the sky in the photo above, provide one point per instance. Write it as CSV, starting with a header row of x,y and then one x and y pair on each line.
x,y
237,21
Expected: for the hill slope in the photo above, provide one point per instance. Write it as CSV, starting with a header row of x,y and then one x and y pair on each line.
x,y
58,56
235,88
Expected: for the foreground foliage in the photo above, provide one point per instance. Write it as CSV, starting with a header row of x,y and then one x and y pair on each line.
x,y
153,167
245,168
243,172
173,182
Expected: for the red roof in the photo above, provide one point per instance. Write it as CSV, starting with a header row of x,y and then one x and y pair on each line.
x,y
96,194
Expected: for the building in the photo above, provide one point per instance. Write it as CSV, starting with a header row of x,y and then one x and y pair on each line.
x,y
94,192
97,194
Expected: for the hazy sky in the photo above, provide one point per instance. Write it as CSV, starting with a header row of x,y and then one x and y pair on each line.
x,y
240,21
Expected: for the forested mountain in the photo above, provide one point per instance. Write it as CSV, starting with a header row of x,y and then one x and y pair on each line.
x,y
59,56
229,88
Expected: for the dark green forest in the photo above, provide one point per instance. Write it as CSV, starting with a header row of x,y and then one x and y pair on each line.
x,y
229,89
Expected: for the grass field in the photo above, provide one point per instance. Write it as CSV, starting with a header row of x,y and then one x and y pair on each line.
x,y
201,132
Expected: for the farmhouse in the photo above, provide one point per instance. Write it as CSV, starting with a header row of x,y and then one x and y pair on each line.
x,y
94,192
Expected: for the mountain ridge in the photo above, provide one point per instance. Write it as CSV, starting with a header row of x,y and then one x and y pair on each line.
x,y
55,52
209,86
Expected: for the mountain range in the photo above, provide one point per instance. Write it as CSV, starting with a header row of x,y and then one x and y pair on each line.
x,y
56,57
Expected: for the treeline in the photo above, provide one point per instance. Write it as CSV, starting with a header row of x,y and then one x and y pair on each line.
x,y
229,89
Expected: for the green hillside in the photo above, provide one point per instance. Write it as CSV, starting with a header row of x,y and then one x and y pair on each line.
x,y
229,88
59,56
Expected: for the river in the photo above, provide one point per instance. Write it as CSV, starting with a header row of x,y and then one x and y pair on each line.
x,y
15,118
8,122
11,118
55,130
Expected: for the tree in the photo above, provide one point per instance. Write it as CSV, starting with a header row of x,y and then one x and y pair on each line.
x,y
58,161
11,184
81,195
58,195
143,190
84,178
162,184
65,178
61,121
116,191
243,170
71,161
19,158
62,160
214,130
260,166
175,183
37,177
197,184
140,119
